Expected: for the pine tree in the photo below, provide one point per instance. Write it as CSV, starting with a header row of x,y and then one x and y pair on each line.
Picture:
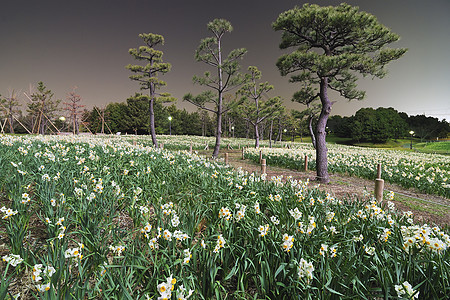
x,y
253,108
210,51
42,108
9,106
147,75
331,45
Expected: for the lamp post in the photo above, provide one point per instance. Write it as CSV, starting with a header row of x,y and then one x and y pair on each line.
x,y
170,125
411,133
62,119
232,128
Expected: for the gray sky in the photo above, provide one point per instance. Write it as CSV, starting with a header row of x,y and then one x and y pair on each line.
x,y
85,44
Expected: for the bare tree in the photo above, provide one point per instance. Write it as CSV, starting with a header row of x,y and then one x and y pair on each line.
x,y
73,109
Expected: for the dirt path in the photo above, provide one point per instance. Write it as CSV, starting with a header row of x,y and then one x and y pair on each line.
x,y
427,208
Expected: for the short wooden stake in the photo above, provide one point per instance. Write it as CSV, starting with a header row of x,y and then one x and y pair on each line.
x,y
226,158
379,187
379,171
263,166
243,152
162,146
190,148
306,163
134,143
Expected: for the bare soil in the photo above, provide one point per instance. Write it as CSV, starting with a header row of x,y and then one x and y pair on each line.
x,y
431,209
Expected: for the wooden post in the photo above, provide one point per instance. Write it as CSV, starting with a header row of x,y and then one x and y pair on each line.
x,y
379,185
263,166
226,158
306,163
134,142
190,148
161,145
243,152
379,171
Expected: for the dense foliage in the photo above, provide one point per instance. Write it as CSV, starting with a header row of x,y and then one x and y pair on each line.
x,y
379,125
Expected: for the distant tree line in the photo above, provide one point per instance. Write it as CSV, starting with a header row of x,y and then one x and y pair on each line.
x,y
367,125
131,117
381,124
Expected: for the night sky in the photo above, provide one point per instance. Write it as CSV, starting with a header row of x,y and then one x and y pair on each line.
x,y
85,44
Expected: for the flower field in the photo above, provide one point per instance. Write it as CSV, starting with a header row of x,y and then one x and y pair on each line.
x,y
184,142
102,218
429,173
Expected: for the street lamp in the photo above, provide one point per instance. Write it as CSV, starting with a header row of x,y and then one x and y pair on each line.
x,y
411,133
62,119
232,128
170,125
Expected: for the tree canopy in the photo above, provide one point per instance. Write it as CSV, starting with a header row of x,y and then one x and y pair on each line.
x,y
42,109
331,45
252,107
226,78
147,75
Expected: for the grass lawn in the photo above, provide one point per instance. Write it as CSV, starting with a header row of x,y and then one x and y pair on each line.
x,y
435,147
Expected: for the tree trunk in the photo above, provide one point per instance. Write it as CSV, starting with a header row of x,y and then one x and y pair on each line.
x,y
152,122
280,130
218,131
247,130
311,131
203,125
43,126
103,121
321,146
11,120
256,136
270,133
261,133
219,103
77,126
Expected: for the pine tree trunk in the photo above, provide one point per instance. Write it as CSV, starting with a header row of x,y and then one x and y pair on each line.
x,y
219,103
203,125
247,130
279,135
11,127
43,126
218,131
261,133
270,133
321,146
152,122
256,136
311,131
